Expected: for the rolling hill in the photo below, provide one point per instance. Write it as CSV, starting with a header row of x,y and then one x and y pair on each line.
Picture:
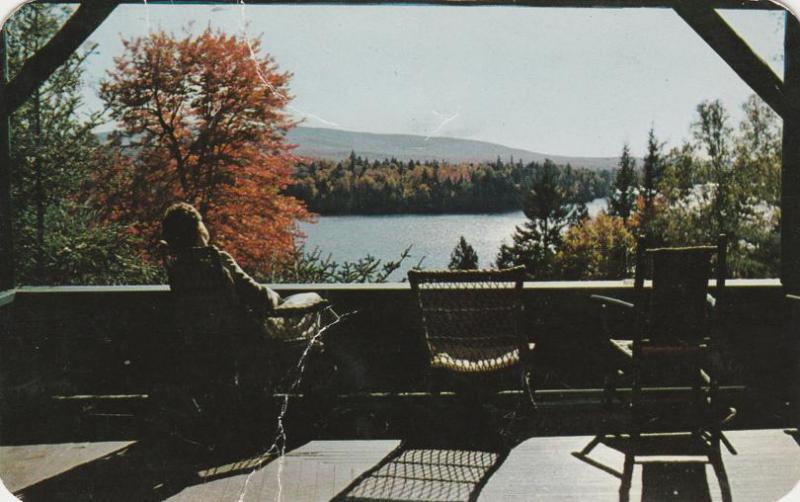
x,y
337,144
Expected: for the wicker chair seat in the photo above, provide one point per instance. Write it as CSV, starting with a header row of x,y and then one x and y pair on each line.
x,y
463,360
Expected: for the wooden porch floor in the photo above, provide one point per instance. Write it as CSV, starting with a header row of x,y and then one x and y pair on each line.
x,y
766,468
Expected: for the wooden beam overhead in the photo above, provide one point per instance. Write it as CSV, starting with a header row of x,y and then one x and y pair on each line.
x,y
664,4
41,65
734,50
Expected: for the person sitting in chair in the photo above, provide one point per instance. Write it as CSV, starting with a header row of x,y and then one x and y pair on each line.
x,y
186,240
183,230
221,357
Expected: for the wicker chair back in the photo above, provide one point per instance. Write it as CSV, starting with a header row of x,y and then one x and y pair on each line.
x,y
472,320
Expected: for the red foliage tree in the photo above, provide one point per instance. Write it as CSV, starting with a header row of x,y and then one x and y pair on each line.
x,y
204,121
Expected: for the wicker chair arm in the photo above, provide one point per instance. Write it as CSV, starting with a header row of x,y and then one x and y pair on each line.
x,y
608,300
300,304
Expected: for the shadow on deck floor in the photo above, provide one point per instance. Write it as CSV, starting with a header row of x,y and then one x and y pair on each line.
x,y
448,451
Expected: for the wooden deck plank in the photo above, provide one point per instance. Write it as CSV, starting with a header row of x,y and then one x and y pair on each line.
x,y
314,472
544,469
23,466
766,468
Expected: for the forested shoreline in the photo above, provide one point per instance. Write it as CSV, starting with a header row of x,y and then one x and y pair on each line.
x,y
370,187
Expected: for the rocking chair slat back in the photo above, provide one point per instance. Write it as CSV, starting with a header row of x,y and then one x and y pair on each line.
x,y
678,310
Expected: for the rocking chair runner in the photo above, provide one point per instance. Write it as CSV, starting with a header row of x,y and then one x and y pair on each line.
x,y
473,321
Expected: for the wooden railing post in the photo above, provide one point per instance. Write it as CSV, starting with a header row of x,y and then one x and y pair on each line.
x,y
6,236
790,177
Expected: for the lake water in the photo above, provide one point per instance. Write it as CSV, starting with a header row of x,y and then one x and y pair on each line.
x,y
432,237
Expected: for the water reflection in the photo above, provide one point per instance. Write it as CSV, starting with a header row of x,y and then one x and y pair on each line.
x,y
348,238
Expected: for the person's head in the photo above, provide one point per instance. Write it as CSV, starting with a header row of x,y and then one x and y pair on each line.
x,y
182,227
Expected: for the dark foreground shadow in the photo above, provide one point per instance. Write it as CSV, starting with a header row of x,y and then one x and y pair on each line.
x,y
148,470
682,479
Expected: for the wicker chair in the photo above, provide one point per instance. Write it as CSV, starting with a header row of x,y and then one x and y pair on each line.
x,y
672,336
473,322
218,358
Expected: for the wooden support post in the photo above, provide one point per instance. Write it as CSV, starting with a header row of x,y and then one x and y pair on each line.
x,y
6,229
790,173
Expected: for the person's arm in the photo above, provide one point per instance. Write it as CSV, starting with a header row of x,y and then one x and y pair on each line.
x,y
257,297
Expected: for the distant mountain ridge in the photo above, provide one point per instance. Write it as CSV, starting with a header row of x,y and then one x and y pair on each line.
x,y
336,144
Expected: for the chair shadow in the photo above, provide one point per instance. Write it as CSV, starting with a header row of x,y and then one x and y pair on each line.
x,y
664,479
148,470
444,460
675,481
422,473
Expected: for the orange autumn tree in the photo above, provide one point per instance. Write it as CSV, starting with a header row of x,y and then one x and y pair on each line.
x,y
202,119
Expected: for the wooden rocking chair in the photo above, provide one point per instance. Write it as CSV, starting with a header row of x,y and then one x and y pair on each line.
x,y
473,322
673,333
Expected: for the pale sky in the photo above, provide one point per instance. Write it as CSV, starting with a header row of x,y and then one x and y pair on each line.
x,y
556,81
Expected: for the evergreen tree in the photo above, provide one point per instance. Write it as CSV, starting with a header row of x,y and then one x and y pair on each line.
x,y
59,239
622,198
549,208
463,256
653,170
